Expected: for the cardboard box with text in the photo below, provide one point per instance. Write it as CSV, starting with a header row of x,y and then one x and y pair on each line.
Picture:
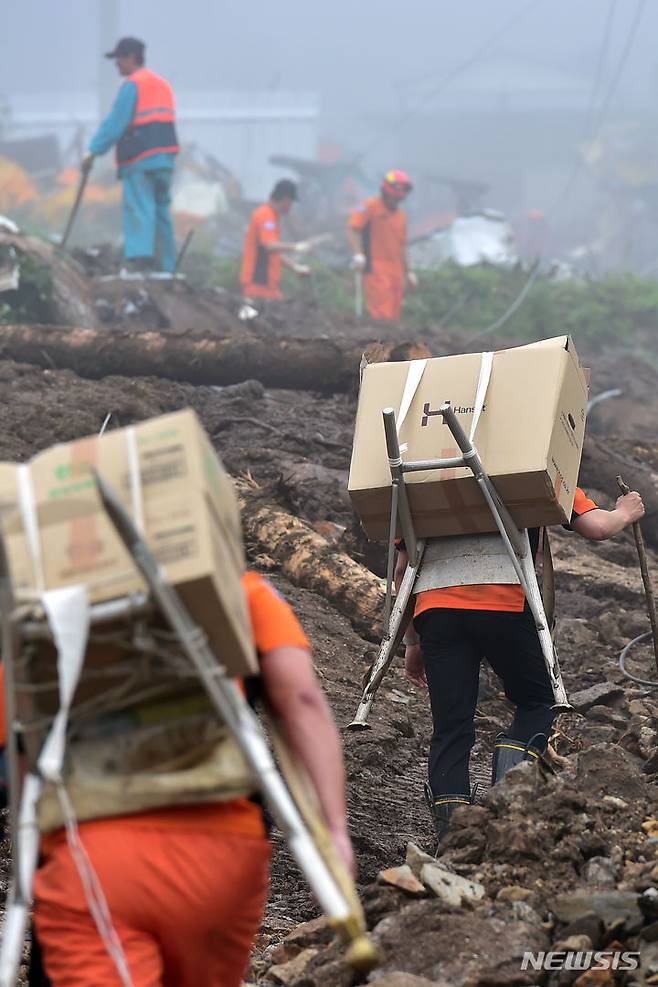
x,y
529,437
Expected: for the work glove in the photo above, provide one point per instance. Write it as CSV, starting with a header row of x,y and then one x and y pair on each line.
x,y
412,280
87,162
302,247
359,262
302,269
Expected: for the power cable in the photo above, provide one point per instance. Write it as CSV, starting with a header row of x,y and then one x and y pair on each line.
x,y
450,77
595,123
600,63
591,131
622,661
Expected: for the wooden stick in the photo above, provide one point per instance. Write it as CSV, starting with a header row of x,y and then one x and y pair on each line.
x,y
646,579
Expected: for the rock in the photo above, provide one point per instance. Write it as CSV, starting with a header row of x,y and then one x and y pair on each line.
x,y
415,858
317,932
287,973
613,802
572,943
612,907
451,888
403,878
518,786
600,871
516,836
402,980
648,902
589,925
651,763
650,827
522,912
650,932
595,978
649,960
512,892
601,694
458,948
604,768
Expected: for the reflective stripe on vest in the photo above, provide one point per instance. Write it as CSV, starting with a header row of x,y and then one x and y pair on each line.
x,y
152,129
465,560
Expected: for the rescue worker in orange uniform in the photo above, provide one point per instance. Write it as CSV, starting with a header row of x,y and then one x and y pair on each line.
x,y
265,253
454,627
377,235
142,125
186,884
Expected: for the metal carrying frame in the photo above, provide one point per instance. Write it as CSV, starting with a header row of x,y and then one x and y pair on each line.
x,y
517,545
290,801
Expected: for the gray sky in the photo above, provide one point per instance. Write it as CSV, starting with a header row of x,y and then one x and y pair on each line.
x,y
355,53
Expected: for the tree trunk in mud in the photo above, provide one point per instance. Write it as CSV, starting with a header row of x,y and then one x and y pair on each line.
x,y
311,561
328,365
601,463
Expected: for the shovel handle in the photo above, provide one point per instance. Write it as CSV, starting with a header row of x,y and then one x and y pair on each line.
x,y
624,487
646,578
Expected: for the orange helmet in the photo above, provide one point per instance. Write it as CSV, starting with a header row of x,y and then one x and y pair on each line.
x,y
396,183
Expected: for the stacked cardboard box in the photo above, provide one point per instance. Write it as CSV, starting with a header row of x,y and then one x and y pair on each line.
x,y
171,481
529,437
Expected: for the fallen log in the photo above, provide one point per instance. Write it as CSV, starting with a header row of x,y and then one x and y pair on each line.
x,y
328,365
313,562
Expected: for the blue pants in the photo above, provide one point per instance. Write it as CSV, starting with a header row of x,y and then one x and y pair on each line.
x,y
147,223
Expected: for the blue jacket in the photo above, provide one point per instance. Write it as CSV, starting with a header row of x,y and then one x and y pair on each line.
x,y
115,125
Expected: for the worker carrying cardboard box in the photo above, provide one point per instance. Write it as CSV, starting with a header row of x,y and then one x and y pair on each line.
x,y
154,851
186,883
377,235
458,620
265,253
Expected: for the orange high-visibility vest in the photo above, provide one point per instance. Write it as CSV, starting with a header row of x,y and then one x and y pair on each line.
x,y
153,126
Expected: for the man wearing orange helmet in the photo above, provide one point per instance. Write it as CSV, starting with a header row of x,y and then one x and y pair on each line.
x,y
377,235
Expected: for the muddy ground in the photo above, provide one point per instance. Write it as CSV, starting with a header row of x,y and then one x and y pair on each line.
x,y
574,827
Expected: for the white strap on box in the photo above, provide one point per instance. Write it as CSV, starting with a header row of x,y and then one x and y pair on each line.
x,y
486,365
28,509
68,614
136,497
411,385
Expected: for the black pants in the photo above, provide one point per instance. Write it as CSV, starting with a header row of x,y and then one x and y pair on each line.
x,y
453,642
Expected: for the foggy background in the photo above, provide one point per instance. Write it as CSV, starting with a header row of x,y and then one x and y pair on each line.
x,y
503,93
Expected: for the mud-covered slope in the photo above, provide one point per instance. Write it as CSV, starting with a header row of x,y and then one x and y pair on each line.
x,y
541,834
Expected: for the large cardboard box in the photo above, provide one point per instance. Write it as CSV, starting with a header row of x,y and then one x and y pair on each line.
x,y
529,437
171,481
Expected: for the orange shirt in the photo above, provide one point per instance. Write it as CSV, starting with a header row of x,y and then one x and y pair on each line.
x,y
260,274
384,233
489,596
274,625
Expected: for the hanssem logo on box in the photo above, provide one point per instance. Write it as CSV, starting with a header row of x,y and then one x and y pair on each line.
x,y
459,409
580,959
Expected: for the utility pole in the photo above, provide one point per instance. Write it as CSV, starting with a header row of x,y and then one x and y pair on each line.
x,y
108,35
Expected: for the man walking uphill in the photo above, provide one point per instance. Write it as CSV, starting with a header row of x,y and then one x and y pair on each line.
x,y
142,125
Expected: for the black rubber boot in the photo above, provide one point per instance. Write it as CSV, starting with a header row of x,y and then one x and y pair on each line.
x,y
441,808
508,753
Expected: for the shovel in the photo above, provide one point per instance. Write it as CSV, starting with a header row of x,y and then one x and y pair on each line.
x,y
82,184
